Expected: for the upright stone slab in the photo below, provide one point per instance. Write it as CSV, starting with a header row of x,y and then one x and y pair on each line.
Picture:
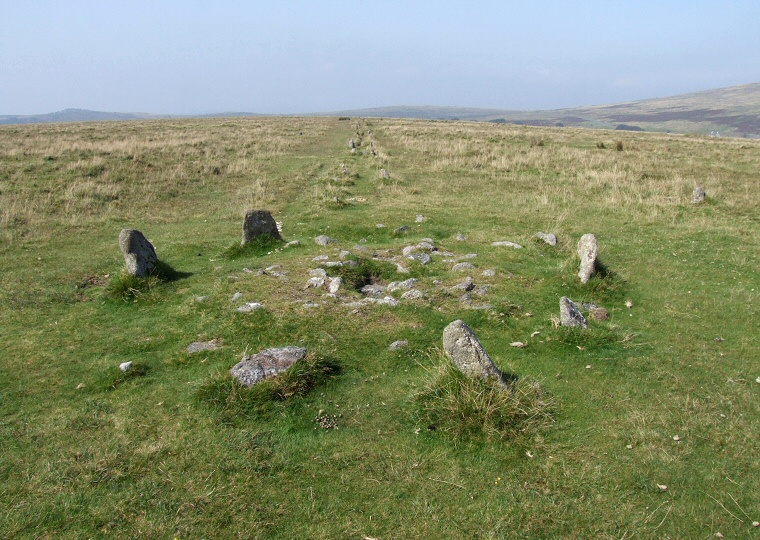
x,y
463,347
265,364
139,254
570,315
588,251
258,223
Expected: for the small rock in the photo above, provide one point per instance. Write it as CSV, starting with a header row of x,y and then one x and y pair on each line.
x,y
506,243
332,264
335,285
374,291
237,296
408,250
489,273
198,346
470,256
380,225
518,344
548,238
318,272
250,306
426,246
462,267
344,254
460,237
420,218
414,294
407,284
388,301
402,229
401,269
292,243
570,315
324,240
265,364
629,304
600,314
321,258
201,299
466,285
316,282
384,174
125,366
422,258
588,251
400,344
698,195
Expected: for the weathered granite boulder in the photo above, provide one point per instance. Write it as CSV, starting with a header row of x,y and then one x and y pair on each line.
x,y
463,347
588,251
506,243
259,223
139,254
698,195
265,364
323,240
570,315
547,238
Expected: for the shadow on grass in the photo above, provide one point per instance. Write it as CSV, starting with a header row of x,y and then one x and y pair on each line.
x,y
113,377
126,287
261,245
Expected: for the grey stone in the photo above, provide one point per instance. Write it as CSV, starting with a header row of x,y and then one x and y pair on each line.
x,y
506,243
420,218
426,246
292,243
466,285
698,195
407,284
400,344
470,256
344,254
139,254
402,229
600,314
408,250
380,225
321,258
384,174
388,301
548,238
570,315
414,294
332,264
265,364
588,251
249,307
335,285
323,240
462,267
422,258
401,269
201,299
316,281
376,290
489,273
125,366
351,263
237,296
198,346
464,348
318,272
460,237
259,223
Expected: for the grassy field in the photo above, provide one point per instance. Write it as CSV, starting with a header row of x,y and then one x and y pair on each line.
x,y
649,422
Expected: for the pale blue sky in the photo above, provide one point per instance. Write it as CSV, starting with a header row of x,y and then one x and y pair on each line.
x,y
283,56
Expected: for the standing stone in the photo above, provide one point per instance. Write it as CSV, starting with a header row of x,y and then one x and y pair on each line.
x,y
698,195
463,347
139,254
267,363
570,315
258,223
588,251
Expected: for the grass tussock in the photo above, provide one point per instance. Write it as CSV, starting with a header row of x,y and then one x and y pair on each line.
x,y
260,246
227,396
124,286
366,272
467,407
113,377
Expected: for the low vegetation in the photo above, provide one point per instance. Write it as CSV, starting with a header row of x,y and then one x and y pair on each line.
x,y
644,425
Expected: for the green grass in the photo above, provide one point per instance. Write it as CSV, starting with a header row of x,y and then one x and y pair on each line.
x,y
342,447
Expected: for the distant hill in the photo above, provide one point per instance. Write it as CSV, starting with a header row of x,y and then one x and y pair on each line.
x,y
733,111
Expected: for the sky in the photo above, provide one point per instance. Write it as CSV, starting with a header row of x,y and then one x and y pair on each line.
x,y
292,56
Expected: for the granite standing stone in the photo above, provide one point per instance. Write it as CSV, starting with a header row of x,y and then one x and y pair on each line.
x,y
570,315
463,347
258,223
139,254
588,251
698,195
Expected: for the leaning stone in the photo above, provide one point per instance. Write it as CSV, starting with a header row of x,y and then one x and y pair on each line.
x,y
125,366
463,347
400,344
698,195
199,346
588,251
570,315
139,254
506,243
548,238
462,267
249,307
265,364
323,240
259,223
422,258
